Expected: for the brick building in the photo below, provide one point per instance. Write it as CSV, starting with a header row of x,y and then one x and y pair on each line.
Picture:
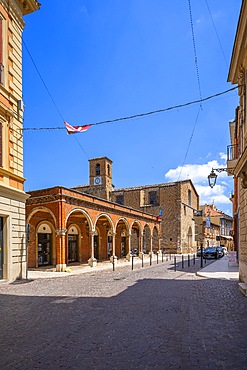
x,y
67,226
12,195
176,201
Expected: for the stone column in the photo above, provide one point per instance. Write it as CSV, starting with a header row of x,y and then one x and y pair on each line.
x,y
151,246
60,250
92,261
141,245
129,247
113,257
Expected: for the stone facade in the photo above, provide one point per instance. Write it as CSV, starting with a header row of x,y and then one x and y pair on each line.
x,y
176,201
12,195
237,153
213,227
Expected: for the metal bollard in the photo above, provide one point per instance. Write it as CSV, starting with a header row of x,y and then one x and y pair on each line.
x,y
157,257
188,260
113,264
182,261
162,256
194,258
142,260
175,264
150,259
132,263
201,257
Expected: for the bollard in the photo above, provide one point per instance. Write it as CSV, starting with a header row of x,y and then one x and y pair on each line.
x,y
132,263
157,257
188,260
142,260
201,257
175,264
194,258
170,256
113,264
182,261
150,259
162,256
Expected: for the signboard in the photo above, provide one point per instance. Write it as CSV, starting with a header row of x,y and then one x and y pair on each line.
x,y
232,258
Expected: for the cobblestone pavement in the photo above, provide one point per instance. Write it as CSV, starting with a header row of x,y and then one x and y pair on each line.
x,y
148,318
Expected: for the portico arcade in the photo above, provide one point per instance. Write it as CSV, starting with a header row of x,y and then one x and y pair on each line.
x,y
67,227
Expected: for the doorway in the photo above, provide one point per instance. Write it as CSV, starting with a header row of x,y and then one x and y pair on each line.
x,y
44,249
1,248
72,248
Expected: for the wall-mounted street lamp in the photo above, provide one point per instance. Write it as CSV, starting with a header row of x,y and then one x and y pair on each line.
x,y
212,177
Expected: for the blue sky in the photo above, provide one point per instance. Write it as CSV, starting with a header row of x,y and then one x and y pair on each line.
x,y
105,59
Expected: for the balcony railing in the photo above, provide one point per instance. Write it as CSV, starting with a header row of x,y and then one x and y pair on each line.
x,y
233,152
1,74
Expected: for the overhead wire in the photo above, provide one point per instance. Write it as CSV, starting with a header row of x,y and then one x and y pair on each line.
x,y
198,83
137,115
217,35
53,101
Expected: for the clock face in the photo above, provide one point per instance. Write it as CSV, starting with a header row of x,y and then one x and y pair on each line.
x,y
97,180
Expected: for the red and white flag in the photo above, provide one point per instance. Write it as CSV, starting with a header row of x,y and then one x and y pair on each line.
x,y
75,129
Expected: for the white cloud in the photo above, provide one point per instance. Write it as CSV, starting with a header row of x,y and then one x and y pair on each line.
x,y
223,156
198,174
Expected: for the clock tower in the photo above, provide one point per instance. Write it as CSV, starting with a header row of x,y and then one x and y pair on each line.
x,y
100,177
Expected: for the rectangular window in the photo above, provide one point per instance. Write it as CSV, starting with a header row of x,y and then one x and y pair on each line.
x,y
1,52
120,199
152,198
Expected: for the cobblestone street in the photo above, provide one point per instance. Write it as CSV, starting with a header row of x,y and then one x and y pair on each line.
x,y
148,318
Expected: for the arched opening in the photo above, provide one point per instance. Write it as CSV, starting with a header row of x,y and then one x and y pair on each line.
x,y
135,238
73,245
44,245
122,231
79,225
103,238
146,245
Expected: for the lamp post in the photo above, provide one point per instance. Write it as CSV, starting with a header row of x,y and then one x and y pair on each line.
x,y
212,177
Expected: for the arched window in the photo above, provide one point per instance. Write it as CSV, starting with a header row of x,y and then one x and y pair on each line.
x,y
97,169
108,170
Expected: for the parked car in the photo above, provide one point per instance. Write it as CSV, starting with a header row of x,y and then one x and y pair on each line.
x,y
213,253
224,250
199,252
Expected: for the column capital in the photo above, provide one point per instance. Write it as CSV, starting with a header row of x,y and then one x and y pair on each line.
x,y
61,232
